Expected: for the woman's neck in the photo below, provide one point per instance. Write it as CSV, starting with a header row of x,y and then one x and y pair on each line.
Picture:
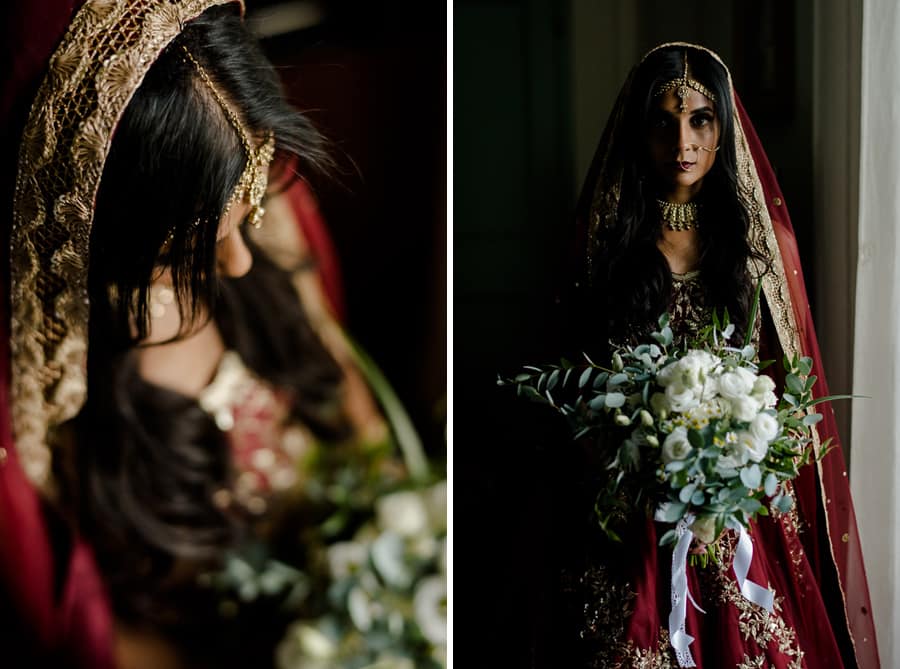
x,y
681,249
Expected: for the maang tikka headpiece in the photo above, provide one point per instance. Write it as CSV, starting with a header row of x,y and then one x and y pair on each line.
x,y
682,87
253,182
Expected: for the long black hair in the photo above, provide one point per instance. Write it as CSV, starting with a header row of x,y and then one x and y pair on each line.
x,y
631,278
149,460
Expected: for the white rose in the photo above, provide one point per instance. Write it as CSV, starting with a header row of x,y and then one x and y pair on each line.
x,y
659,404
749,447
764,427
763,384
769,399
747,376
696,367
666,376
404,512
710,388
744,408
681,398
676,446
734,384
346,558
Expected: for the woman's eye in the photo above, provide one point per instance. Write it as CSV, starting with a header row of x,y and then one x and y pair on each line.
x,y
701,121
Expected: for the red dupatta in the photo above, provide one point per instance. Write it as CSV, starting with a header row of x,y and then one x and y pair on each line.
x,y
832,487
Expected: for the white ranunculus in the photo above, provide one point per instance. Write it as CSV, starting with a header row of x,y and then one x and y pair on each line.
x,y
747,376
681,398
405,513
748,447
710,388
764,427
430,608
312,642
769,399
696,367
659,404
763,384
345,558
733,385
744,408
666,376
676,446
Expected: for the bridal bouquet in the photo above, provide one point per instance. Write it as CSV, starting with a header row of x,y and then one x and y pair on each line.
x,y
696,435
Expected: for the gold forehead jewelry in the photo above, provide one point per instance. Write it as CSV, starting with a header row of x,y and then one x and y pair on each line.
x,y
678,216
682,87
253,182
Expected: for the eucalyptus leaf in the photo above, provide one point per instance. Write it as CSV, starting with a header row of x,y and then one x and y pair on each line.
x,y
687,492
615,400
668,538
812,419
794,384
771,484
618,379
785,503
805,366
553,380
598,403
751,476
585,377
673,512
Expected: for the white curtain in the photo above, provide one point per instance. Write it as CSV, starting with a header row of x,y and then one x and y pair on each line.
x,y
875,467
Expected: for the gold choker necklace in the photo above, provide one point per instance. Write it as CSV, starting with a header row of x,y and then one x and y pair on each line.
x,y
678,216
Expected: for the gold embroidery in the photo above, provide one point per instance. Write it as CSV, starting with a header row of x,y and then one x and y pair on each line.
x,y
93,74
661,657
754,663
754,622
606,605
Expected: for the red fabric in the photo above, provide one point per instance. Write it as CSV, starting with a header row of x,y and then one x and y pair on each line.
x,y
313,227
842,528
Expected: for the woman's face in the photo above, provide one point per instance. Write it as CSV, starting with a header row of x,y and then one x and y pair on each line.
x,y
682,143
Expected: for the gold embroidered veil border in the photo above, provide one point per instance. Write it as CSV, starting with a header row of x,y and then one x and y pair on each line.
x,y
101,61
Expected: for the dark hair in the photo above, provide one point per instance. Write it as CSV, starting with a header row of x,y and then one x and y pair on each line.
x,y
149,459
632,275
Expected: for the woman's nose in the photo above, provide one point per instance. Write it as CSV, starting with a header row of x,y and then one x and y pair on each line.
x,y
685,142
233,255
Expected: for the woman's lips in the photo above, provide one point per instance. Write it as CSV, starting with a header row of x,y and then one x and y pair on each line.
x,y
684,166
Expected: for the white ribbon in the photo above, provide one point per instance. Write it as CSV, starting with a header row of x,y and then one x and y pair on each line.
x,y
678,636
751,591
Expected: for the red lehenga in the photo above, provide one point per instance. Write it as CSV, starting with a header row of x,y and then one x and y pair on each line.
x,y
810,557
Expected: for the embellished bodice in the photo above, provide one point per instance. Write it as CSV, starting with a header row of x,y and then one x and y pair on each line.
x,y
266,446
688,310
